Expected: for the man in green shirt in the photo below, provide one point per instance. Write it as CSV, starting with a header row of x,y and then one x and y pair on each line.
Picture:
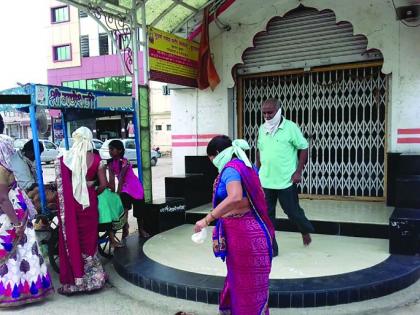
x,y
281,157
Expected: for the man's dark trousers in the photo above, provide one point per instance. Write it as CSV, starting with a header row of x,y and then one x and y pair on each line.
x,y
289,201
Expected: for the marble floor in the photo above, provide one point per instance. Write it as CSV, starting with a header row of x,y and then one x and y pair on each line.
x,y
327,255
335,211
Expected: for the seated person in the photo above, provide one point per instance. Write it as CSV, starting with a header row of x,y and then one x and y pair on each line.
x,y
23,167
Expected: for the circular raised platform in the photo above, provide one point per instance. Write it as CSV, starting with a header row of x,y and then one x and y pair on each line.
x,y
327,255
178,270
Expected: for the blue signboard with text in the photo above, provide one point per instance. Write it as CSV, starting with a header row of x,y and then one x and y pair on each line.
x,y
65,98
60,97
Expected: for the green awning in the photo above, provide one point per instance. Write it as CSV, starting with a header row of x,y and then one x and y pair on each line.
x,y
166,15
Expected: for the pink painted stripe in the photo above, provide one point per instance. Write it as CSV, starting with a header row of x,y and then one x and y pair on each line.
x,y
210,135
189,144
194,136
408,140
183,136
412,131
172,58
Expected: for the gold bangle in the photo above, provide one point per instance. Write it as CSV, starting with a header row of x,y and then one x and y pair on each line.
x,y
211,214
19,225
205,220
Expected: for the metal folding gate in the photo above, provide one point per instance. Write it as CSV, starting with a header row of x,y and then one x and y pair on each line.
x,y
341,111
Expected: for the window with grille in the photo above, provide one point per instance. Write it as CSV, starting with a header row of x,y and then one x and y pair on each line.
x,y
158,127
60,14
168,127
103,44
84,45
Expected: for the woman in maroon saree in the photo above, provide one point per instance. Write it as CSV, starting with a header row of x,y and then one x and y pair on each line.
x,y
243,232
77,170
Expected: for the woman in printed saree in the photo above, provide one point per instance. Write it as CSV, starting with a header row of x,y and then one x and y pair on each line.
x,y
243,231
23,274
77,172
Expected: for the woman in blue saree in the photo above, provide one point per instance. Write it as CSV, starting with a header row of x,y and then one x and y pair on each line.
x,y
243,231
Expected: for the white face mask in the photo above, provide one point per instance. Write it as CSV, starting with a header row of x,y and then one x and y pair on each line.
x,y
271,125
237,148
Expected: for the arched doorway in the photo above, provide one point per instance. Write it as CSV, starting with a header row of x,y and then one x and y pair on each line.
x,y
333,88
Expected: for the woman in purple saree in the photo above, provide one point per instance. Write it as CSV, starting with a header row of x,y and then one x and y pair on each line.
x,y
243,231
77,170
24,277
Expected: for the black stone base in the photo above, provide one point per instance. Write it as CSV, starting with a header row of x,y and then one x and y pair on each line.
x,y
164,214
402,166
321,227
404,226
193,188
395,273
407,192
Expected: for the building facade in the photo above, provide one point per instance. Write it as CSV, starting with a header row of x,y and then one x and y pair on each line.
x,y
17,125
82,55
346,71
160,117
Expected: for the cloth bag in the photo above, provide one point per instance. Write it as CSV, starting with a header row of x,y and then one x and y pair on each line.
x,y
110,207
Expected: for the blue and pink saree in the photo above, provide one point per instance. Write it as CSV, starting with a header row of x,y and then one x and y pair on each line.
x,y
245,243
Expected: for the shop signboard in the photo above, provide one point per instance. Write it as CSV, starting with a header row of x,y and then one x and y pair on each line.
x,y
68,98
172,59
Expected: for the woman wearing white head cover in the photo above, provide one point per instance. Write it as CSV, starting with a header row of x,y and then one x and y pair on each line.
x,y
75,160
242,221
220,161
80,268
237,148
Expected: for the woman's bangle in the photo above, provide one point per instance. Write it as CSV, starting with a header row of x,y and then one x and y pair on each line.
x,y
19,225
211,214
205,220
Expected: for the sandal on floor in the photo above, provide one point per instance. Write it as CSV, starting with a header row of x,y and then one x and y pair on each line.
x,y
62,292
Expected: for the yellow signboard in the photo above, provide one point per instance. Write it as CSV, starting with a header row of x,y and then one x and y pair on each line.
x,y
172,59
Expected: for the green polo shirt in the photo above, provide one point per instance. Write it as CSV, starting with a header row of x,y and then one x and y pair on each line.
x,y
278,154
